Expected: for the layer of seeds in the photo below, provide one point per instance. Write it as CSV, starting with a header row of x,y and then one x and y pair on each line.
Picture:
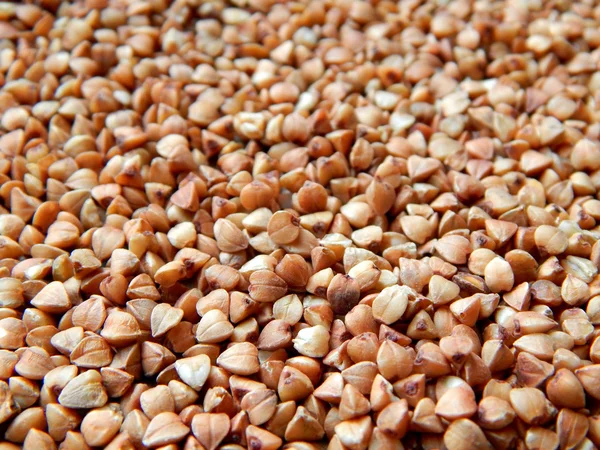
x,y
303,224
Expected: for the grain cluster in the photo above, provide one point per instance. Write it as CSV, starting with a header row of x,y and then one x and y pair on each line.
x,y
352,225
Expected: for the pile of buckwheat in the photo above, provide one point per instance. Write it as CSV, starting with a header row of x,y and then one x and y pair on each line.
x,y
305,224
